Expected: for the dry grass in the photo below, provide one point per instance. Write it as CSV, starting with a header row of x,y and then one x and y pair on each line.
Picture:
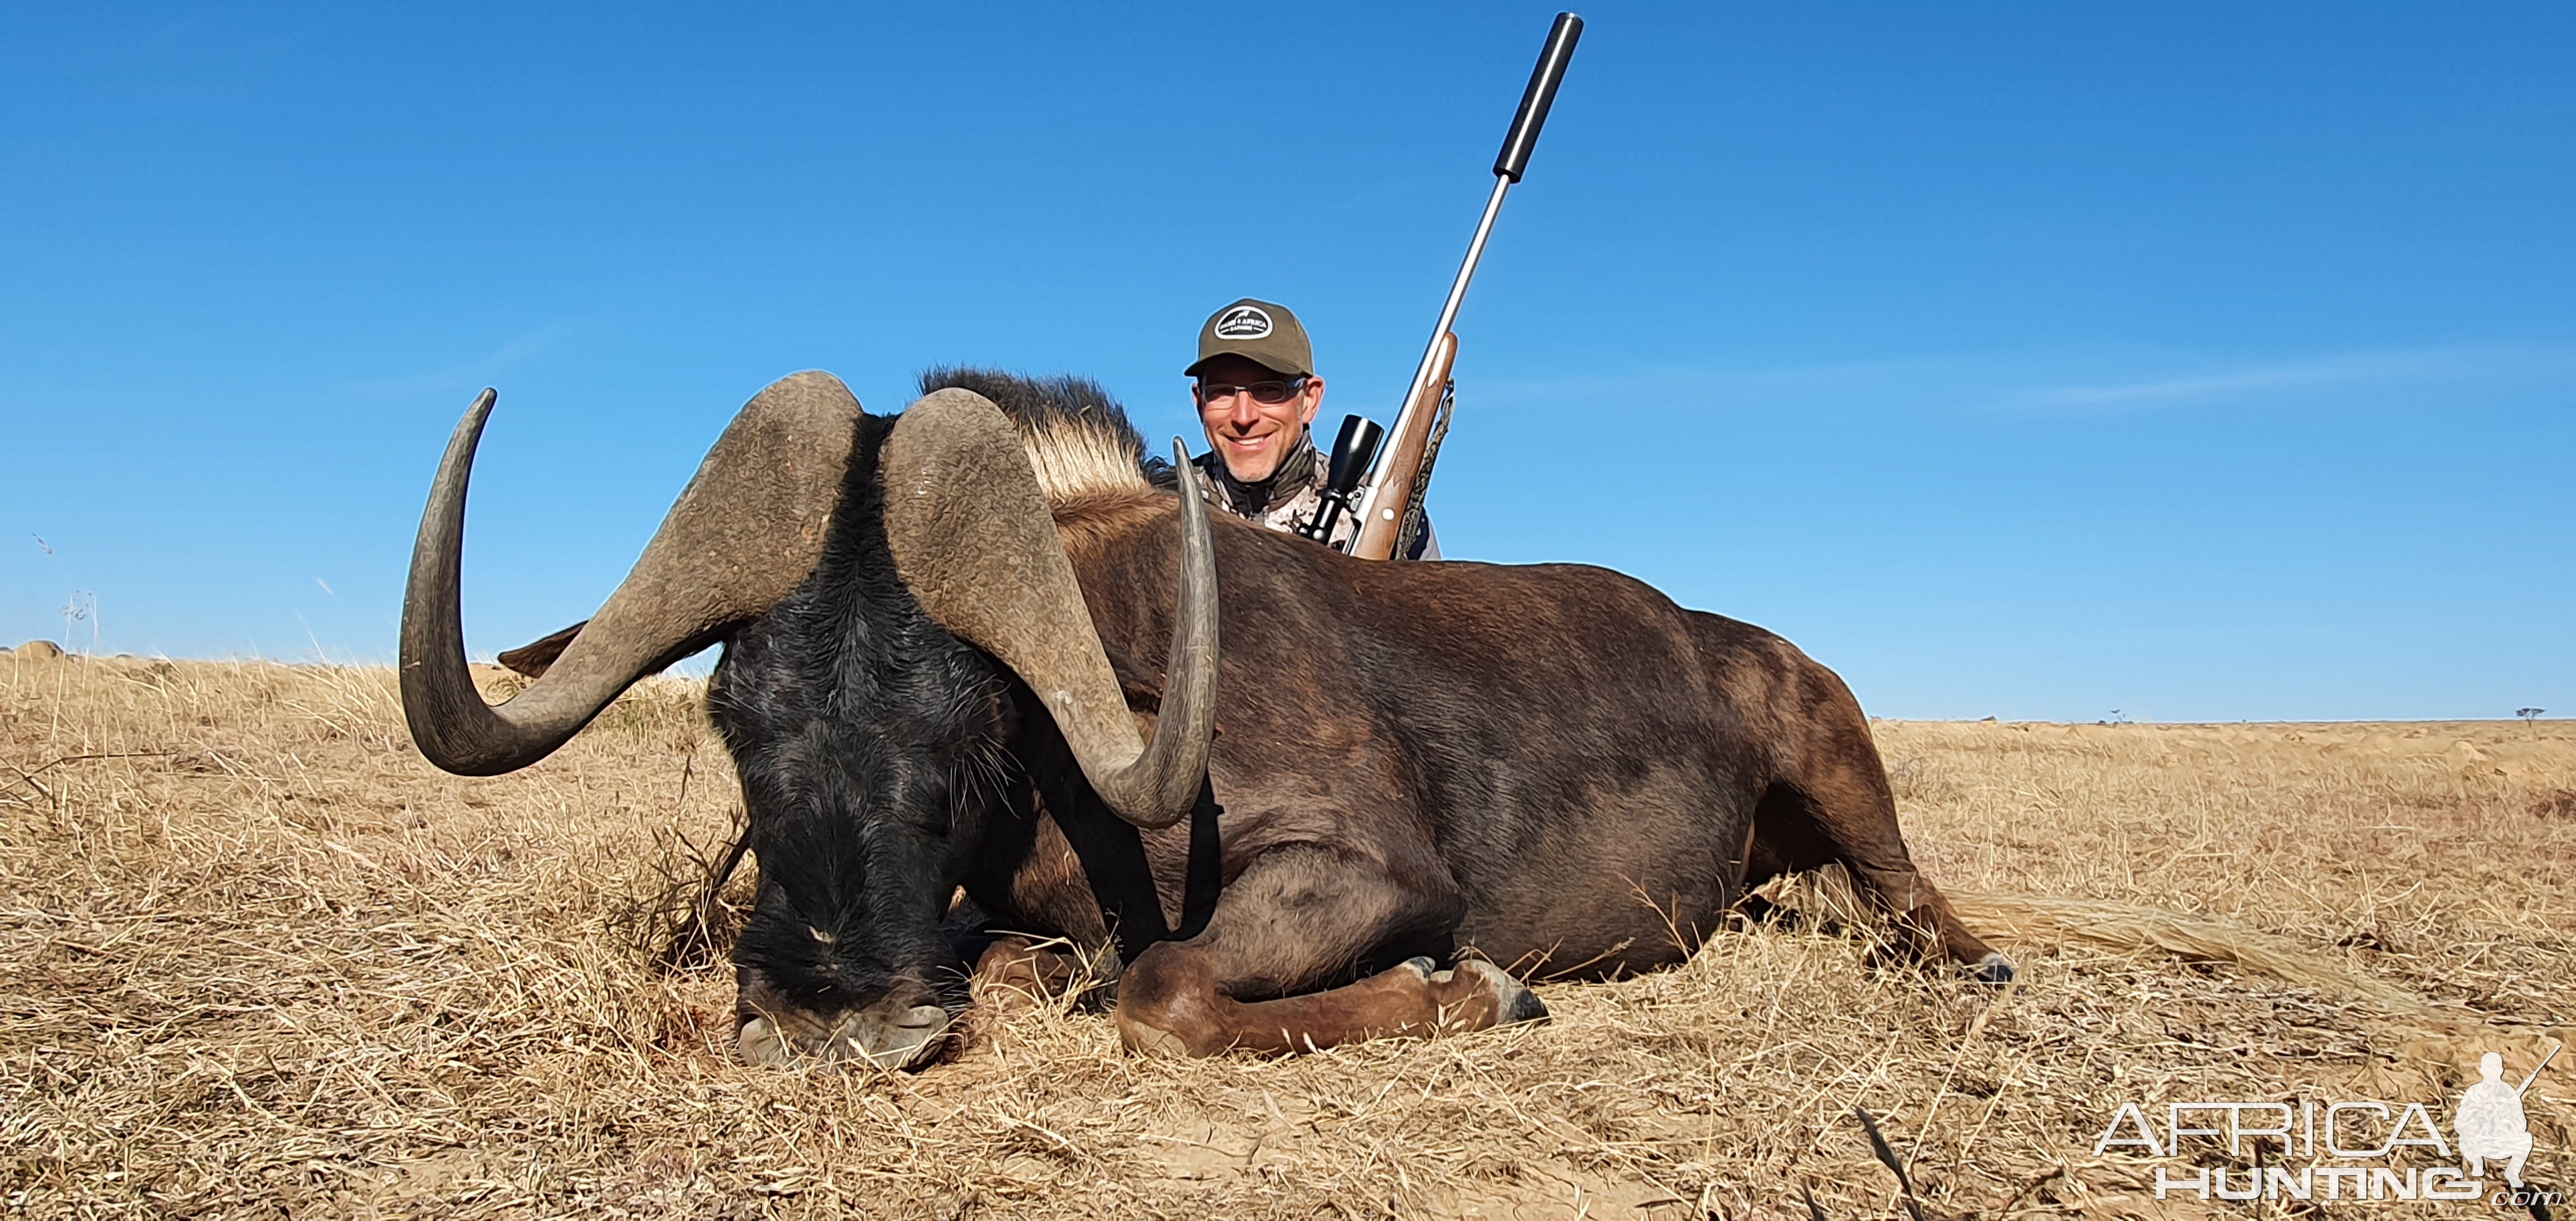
x,y
258,959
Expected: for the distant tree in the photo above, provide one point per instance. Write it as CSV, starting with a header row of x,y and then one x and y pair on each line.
x,y
2531,717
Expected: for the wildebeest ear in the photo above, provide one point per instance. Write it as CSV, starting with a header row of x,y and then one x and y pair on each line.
x,y
975,541
532,658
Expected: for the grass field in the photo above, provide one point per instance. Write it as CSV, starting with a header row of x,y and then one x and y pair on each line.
x,y
258,959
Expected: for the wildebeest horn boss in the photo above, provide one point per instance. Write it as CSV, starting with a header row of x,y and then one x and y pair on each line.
x,y
941,631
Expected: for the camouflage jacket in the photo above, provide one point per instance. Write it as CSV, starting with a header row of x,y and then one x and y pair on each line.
x,y
1292,496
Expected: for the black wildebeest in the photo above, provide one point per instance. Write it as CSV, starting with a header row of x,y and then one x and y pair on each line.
x,y
946,666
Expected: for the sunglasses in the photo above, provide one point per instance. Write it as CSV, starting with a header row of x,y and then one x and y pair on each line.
x,y
1271,393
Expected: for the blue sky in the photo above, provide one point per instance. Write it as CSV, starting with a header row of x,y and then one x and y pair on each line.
x,y
2196,361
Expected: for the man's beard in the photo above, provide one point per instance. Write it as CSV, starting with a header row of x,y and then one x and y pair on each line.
x,y
1296,468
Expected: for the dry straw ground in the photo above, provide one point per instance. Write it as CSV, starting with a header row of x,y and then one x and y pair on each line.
x,y
257,959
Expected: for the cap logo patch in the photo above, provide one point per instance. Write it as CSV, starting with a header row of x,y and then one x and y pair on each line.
x,y
1244,322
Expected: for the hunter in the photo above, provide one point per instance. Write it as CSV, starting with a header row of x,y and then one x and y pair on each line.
x,y
1257,393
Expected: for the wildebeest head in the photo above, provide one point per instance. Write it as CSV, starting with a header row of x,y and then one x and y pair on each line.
x,y
947,497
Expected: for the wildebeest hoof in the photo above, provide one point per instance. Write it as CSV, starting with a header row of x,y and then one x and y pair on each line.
x,y
880,1037
1421,966
1146,1040
1013,973
1513,1001
1995,969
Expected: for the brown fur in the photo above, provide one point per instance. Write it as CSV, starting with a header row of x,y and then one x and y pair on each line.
x,y
1549,766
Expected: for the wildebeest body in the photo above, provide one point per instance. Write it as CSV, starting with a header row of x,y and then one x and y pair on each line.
x,y
1553,765
955,668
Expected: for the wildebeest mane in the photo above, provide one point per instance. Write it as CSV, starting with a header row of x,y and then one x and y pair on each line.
x,y
1077,436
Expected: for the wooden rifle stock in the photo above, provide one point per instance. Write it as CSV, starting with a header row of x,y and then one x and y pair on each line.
x,y
1406,457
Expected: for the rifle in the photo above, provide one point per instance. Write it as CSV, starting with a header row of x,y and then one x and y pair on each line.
x,y
1390,499
2544,1063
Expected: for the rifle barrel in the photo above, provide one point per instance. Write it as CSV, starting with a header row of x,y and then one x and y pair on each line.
x,y
1421,398
2535,1072
1418,398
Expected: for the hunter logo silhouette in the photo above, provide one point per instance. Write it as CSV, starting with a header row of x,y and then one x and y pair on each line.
x,y
2490,1121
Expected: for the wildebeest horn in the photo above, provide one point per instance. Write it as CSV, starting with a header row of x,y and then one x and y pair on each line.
x,y
973,539
745,532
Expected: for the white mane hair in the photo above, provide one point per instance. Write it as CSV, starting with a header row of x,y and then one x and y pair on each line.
x,y
1078,437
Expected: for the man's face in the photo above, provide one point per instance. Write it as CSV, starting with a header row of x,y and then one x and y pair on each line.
x,y
1251,435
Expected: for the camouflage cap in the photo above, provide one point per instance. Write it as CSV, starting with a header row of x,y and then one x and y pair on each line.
x,y
1258,331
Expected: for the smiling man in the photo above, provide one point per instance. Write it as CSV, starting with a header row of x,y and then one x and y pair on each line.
x,y
1257,394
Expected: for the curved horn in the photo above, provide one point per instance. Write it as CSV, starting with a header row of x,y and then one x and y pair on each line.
x,y
975,542
745,532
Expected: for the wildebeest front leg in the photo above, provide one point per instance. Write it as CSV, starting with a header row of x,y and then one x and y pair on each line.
x,y
1015,971
1300,919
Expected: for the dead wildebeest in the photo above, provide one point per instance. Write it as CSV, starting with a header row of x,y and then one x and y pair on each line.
x,y
946,665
